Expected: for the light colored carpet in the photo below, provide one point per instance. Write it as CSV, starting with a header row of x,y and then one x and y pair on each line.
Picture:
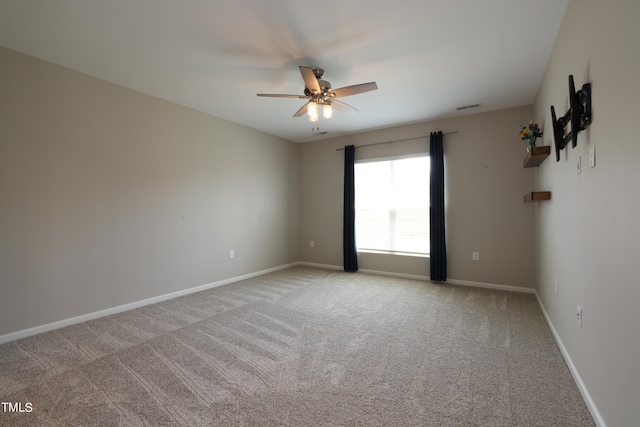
x,y
301,347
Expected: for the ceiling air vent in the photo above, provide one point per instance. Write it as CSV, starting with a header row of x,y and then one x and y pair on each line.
x,y
467,107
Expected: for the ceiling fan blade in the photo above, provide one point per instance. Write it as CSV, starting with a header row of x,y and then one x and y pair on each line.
x,y
352,90
343,106
310,80
278,95
302,111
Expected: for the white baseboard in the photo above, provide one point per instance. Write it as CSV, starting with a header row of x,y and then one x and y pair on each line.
x,y
130,306
419,277
492,286
325,266
376,272
388,274
597,417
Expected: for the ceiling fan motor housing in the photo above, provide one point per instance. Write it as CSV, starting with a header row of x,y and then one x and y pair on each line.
x,y
325,86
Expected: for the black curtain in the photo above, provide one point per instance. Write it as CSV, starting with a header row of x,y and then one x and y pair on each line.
x,y
349,228
438,256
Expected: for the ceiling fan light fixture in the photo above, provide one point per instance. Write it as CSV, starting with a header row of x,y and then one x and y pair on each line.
x,y
327,111
312,109
318,92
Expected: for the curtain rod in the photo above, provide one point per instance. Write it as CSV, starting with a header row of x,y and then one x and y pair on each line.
x,y
397,140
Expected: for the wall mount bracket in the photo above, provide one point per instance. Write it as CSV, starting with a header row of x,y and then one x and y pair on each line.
x,y
579,115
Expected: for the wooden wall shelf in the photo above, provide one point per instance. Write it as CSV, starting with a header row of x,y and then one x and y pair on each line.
x,y
537,196
536,156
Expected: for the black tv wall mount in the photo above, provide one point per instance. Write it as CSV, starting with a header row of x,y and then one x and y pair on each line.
x,y
579,115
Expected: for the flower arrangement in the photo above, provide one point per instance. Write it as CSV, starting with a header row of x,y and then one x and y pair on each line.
x,y
530,133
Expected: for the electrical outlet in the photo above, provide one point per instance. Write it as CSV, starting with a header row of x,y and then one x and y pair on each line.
x,y
232,253
312,244
556,290
475,256
579,316
592,156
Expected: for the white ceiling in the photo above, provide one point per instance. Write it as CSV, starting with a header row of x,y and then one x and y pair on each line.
x,y
427,56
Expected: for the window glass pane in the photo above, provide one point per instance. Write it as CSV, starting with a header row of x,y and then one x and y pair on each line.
x,y
392,205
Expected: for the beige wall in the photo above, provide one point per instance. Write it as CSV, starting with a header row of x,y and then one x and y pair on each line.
x,y
485,183
588,236
95,180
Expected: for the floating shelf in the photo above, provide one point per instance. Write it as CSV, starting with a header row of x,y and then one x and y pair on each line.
x,y
537,196
536,156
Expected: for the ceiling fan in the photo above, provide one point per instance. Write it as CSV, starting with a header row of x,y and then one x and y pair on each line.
x,y
319,92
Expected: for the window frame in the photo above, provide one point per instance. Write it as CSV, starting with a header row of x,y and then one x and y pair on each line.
x,y
386,251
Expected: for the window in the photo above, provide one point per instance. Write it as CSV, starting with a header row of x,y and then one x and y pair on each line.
x,y
392,205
